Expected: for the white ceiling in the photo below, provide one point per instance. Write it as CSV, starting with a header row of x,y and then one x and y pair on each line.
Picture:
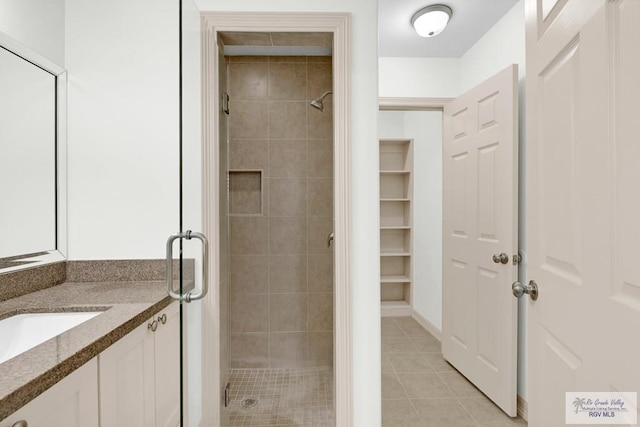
x,y
470,20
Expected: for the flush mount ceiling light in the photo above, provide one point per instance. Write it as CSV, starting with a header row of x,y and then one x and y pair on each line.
x,y
432,20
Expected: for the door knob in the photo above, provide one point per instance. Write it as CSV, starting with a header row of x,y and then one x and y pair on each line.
x,y
531,289
501,258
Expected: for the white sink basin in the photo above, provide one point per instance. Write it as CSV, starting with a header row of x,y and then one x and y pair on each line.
x,y
22,332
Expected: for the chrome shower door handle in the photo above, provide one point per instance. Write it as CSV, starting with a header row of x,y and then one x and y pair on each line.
x,y
205,266
189,296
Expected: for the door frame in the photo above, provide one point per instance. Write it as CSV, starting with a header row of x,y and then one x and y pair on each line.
x,y
416,104
340,25
412,104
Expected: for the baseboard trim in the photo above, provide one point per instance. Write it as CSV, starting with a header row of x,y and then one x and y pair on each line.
x,y
394,309
430,327
523,408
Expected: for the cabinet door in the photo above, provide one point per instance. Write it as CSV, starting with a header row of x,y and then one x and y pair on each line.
x,y
167,365
72,402
127,381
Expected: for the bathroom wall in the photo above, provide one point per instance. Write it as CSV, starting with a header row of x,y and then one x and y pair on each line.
x,y
281,206
501,46
37,24
419,77
123,115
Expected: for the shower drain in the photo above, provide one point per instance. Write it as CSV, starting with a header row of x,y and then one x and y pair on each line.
x,y
249,402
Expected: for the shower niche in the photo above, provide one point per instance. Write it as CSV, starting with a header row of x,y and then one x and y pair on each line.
x,y
245,192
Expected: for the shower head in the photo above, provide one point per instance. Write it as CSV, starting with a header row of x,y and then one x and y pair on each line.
x,y
317,103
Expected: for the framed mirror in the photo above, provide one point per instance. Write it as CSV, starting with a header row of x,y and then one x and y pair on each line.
x,y
32,158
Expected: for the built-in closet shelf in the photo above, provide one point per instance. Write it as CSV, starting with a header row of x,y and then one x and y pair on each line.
x,y
395,279
396,218
394,304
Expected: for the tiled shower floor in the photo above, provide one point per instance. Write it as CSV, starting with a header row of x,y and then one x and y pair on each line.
x,y
285,397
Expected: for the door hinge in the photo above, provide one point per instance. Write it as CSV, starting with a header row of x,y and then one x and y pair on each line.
x,y
227,395
225,103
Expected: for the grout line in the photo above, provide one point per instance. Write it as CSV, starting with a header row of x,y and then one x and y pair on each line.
x,y
268,209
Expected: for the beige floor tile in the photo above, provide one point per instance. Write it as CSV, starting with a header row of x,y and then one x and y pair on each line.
x,y
396,413
391,387
387,322
407,322
460,386
438,363
398,345
410,362
412,328
284,397
424,386
387,367
486,413
443,413
427,344
392,331
413,366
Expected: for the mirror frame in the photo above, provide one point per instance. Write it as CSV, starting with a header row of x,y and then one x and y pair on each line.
x,y
60,252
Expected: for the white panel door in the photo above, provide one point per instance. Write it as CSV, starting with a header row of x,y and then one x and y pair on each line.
x,y
583,202
480,220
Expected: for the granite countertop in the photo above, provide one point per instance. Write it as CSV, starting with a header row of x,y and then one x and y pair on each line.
x,y
124,306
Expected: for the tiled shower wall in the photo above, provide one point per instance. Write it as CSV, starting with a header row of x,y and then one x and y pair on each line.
x,y
281,193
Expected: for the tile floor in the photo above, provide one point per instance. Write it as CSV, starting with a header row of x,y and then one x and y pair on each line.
x,y
419,388
285,397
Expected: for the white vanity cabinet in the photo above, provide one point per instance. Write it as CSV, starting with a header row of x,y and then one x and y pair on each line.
x,y
140,375
72,402
135,382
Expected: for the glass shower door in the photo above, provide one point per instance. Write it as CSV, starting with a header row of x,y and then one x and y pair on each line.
x,y
188,271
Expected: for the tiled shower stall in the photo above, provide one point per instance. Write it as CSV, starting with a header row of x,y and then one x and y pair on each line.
x,y
280,217
281,212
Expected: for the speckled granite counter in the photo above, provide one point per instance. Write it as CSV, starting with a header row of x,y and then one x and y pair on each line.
x,y
124,306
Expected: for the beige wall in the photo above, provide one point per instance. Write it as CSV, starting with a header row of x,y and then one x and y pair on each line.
x,y
281,212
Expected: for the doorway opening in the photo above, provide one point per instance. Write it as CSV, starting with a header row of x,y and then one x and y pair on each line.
x,y
280,198
280,165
